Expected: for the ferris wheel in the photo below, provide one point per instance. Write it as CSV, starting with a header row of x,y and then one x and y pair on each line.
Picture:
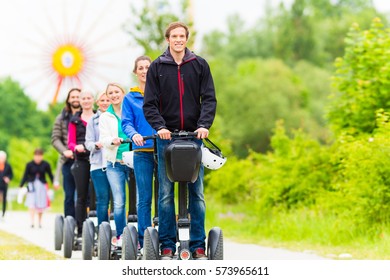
x,y
60,44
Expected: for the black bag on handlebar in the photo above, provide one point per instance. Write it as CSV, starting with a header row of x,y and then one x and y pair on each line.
x,y
182,161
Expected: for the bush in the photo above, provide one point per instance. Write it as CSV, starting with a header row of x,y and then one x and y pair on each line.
x,y
290,176
362,182
346,183
362,80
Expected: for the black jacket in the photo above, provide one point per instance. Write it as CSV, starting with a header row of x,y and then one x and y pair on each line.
x,y
179,97
39,171
7,172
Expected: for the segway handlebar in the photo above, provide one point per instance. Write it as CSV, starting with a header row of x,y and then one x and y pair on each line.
x,y
173,134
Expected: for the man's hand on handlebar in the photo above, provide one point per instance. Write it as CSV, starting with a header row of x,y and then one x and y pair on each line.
x,y
164,134
68,154
202,133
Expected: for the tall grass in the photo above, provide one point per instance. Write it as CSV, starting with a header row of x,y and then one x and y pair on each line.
x,y
301,230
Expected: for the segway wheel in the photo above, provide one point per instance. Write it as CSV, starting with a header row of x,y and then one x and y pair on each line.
x,y
151,244
129,243
58,232
104,241
215,244
69,226
87,240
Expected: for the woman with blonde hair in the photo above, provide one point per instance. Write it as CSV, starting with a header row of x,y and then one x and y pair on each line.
x,y
111,136
76,143
98,165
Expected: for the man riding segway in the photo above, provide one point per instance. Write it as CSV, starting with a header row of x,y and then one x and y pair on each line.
x,y
179,95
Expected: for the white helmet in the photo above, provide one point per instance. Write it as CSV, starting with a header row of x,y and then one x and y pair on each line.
x,y
128,158
212,158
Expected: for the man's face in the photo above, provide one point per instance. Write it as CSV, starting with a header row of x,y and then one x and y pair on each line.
x,y
177,40
74,99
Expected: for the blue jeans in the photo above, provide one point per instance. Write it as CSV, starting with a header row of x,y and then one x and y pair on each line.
x,y
143,169
102,190
118,175
166,206
69,189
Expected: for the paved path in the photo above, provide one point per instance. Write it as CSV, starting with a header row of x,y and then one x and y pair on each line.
x,y
18,223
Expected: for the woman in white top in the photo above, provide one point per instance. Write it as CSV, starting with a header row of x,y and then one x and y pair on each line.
x,y
111,136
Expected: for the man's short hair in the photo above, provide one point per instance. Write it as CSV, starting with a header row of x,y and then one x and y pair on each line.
x,y
174,25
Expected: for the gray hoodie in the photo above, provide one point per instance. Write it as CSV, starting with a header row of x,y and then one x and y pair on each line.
x,y
91,137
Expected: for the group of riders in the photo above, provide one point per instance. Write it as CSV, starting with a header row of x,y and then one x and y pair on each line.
x,y
175,92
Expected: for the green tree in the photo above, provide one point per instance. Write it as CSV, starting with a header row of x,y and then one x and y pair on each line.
x,y
362,80
19,115
147,25
311,30
256,93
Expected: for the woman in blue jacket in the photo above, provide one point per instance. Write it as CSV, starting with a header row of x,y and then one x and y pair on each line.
x,y
135,126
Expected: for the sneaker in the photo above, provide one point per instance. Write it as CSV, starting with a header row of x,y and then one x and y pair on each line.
x,y
199,254
166,254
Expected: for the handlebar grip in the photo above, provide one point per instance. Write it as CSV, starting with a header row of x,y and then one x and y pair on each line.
x,y
149,137
173,134
184,134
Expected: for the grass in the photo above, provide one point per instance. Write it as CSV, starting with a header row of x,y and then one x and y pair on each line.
x,y
12,248
299,231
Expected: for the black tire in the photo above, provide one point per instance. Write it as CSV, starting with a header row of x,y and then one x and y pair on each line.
x,y
69,227
104,241
129,243
87,240
215,244
151,244
58,232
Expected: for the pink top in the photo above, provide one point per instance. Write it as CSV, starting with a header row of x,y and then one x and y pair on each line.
x,y
72,135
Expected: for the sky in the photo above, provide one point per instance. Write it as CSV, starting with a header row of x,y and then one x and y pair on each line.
x,y
33,30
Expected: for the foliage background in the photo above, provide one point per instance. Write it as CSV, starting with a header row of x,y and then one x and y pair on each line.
x,y
303,116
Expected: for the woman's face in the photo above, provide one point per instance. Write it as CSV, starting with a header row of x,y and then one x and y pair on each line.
x,y
86,101
115,94
103,102
141,70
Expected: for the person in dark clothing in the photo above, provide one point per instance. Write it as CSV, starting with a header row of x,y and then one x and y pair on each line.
x,y
76,143
5,177
179,95
59,140
35,177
